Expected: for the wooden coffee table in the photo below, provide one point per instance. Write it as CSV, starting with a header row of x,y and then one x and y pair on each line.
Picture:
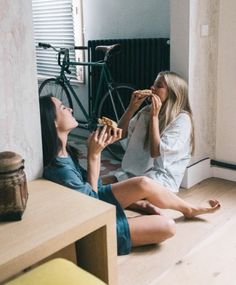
x,y
60,222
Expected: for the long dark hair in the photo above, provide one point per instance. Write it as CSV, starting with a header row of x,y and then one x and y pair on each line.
x,y
50,140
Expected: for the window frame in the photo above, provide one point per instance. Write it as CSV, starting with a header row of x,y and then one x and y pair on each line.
x,y
60,23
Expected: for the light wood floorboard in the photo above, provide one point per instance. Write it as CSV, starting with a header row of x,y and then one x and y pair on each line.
x,y
203,251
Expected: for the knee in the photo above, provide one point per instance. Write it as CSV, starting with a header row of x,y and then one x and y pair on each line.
x,y
144,182
170,228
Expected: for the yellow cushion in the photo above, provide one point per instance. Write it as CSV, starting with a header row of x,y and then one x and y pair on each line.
x,y
57,272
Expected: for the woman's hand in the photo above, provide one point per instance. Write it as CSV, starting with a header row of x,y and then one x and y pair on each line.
x,y
101,138
136,101
154,132
156,106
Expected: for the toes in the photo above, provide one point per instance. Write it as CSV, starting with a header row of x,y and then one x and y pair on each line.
x,y
214,203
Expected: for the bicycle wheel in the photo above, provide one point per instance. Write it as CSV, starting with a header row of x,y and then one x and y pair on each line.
x,y
57,89
113,106
114,103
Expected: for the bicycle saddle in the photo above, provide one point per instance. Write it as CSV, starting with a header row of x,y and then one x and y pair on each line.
x,y
108,49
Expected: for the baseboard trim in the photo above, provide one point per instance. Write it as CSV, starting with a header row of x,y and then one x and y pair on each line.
x,y
224,173
202,170
196,173
223,164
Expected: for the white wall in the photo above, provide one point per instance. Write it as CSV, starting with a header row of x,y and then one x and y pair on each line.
x,y
212,73
179,37
19,111
195,56
203,74
110,19
226,84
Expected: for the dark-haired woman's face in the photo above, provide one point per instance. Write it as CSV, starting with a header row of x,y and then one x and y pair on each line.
x,y
64,118
159,88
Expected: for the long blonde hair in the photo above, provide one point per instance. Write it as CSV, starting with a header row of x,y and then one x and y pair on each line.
x,y
177,102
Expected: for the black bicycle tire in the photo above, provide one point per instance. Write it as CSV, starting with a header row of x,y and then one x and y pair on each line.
x,y
116,149
63,95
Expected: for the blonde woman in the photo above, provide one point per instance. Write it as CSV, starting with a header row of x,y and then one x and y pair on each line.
x,y
160,137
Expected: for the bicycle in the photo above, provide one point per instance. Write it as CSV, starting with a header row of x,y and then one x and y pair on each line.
x,y
116,98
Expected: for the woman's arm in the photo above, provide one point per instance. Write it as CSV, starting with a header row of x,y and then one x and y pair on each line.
x,y
69,175
93,167
135,102
154,132
96,143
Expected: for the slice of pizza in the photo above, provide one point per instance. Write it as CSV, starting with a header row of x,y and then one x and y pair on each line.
x,y
108,122
144,92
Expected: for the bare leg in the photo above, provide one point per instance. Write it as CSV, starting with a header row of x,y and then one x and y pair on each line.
x,y
145,207
140,206
150,229
134,189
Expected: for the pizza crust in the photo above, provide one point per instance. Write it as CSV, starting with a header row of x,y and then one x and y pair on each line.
x,y
144,92
108,122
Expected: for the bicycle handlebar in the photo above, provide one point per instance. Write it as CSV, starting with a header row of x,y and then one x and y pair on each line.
x,y
63,55
44,45
65,59
65,52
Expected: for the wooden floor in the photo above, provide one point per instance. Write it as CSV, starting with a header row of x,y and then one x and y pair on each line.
x,y
203,251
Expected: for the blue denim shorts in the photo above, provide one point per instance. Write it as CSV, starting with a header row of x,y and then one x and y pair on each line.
x,y
122,227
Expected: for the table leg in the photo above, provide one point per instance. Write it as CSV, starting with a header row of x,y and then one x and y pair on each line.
x,y
97,254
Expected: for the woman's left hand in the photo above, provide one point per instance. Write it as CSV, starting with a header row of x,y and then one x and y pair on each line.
x,y
155,106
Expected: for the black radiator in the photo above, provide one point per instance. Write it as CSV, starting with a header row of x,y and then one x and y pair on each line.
x,y
137,64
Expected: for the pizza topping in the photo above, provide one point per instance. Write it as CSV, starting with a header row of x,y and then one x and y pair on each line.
x,y
106,121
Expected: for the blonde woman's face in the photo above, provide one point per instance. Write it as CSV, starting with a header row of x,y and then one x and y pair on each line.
x,y
159,88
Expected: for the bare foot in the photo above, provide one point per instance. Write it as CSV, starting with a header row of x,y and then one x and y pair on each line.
x,y
193,212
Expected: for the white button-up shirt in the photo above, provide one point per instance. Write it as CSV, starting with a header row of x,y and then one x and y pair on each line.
x,y
168,169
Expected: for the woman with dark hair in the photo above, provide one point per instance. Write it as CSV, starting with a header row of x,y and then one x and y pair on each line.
x,y
61,165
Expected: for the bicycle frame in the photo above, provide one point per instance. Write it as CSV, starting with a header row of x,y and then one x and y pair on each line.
x,y
110,100
105,76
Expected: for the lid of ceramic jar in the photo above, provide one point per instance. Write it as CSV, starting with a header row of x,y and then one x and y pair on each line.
x,y
10,161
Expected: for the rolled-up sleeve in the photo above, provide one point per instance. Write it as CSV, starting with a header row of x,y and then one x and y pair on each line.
x,y
69,177
175,139
132,125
